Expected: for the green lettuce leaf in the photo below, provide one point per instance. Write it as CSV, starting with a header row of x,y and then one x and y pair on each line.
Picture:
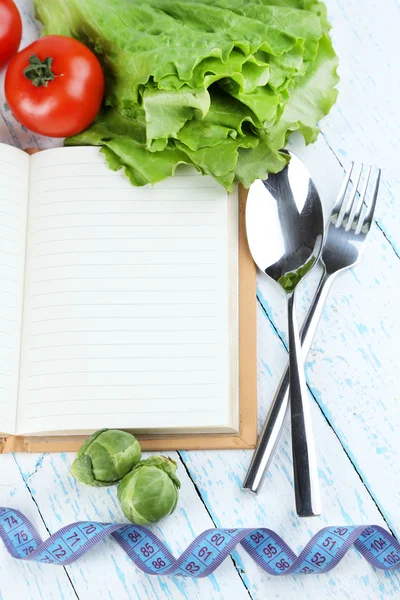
x,y
304,109
217,84
123,143
166,112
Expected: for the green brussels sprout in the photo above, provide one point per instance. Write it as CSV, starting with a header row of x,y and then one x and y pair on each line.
x,y
106,457
150,491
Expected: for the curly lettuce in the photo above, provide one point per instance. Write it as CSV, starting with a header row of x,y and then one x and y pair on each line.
x,y
217,84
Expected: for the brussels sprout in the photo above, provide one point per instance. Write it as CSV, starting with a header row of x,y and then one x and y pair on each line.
x,y
150,491
106,457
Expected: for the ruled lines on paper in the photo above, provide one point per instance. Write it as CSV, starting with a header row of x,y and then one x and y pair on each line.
x,y
126,298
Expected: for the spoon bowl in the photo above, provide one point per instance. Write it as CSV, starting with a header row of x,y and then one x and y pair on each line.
x,y
285,232
285,224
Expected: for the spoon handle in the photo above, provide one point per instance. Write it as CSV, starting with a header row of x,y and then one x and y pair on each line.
x,y
276,417
308,501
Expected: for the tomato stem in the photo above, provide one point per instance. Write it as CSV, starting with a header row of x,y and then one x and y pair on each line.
x,y
39,71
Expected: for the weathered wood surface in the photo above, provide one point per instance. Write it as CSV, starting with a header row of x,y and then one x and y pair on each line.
x,y
352,374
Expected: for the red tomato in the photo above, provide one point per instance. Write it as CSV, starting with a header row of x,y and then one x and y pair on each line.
x,y
55,86
10,31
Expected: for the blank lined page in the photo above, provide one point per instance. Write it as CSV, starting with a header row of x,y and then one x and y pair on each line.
x,y
14,176
127,317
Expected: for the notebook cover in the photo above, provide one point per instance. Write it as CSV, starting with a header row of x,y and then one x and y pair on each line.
x,y
247,436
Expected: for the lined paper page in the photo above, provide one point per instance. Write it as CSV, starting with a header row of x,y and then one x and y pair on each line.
x,y
14,177
126,318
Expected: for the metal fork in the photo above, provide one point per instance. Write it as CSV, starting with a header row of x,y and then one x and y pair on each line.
x,y
347,230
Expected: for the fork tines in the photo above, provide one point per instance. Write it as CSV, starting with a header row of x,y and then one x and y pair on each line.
x,y
355,206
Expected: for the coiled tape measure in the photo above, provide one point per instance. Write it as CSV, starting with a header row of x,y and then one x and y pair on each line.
x,y
322,553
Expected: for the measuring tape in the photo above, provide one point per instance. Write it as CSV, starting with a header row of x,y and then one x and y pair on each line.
x,y
205,553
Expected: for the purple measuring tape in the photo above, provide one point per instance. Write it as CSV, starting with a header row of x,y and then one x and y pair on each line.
x,y
205,553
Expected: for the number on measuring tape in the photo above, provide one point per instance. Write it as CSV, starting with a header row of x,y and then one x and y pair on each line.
x,y
11,522
318,559
159,563
367,532
147,550
257,537
46,559
340,531
21,536
270,550
192,567
134,536
204,553
73,539
392,558
89,529
282,564
306,570
329,543
218,539
378,544
59,552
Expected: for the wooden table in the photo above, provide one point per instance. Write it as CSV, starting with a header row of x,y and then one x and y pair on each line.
x,y
352,372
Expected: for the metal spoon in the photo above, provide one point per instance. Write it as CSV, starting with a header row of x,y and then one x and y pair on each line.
x,y
285,230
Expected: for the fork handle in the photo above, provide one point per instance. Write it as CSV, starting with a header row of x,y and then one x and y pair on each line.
x,y
274,421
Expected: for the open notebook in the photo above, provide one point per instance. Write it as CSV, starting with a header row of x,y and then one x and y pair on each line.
x,y
119,306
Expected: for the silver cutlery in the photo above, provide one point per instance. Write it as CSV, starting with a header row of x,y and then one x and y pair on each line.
x,y
285,230
347,230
